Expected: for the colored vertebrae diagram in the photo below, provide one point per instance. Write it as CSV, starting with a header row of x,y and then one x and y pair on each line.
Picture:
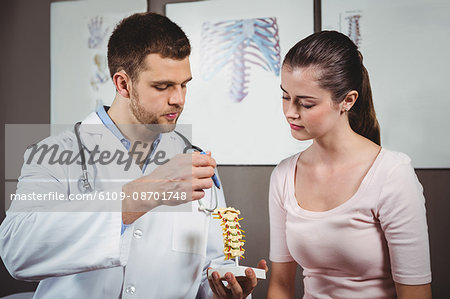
x,y
232,232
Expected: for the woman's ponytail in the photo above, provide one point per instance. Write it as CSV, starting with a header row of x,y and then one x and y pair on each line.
x,y
362,116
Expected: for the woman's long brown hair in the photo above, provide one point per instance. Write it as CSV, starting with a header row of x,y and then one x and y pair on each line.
x,y
339,69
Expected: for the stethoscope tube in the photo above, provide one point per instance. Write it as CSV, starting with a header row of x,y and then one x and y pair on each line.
x,y
201,204
196,148
84,180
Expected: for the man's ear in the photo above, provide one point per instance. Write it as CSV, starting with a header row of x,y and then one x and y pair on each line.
x,y
349,100
122,83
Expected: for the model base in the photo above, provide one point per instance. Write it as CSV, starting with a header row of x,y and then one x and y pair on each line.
x,y
237,271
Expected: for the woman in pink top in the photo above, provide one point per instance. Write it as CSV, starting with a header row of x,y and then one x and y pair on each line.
x,y
349,212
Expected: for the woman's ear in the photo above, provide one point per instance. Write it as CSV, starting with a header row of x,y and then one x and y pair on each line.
x,y
122,83
349,100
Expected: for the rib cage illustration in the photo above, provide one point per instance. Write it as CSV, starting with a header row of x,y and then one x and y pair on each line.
x,y
235,45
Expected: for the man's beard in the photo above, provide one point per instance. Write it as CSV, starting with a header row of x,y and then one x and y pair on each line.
x,y
147,118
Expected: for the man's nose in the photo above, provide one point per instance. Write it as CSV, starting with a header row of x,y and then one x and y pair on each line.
x,y
177,96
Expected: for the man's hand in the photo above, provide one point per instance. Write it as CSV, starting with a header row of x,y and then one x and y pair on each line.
x,y
185,175
236,288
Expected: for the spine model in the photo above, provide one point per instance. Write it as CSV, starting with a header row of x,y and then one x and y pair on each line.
x,y
232,232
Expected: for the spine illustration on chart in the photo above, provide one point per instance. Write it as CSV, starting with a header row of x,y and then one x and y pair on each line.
x,y
351,25
231,232
353,29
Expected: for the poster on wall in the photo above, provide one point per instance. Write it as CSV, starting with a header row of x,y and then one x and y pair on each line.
x,y
405,47
234,100
80,77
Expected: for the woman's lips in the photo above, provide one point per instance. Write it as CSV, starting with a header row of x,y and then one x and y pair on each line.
x,y
295,127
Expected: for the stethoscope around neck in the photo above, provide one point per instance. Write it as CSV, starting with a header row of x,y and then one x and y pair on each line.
x,y
83,182
85,186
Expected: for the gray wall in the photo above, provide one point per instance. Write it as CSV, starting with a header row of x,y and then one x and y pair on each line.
x,y
25,96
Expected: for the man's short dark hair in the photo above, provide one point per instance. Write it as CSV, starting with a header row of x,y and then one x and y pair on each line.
x,y
141,34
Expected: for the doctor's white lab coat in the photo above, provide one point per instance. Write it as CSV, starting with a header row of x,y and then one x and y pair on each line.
x,y
83,254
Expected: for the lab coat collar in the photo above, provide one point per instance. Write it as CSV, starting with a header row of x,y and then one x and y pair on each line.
x,y
93,133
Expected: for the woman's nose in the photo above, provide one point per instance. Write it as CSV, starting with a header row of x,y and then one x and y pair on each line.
x,y
292,110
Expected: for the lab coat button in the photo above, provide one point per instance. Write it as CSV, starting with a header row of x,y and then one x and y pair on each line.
x,y
131,289
137,234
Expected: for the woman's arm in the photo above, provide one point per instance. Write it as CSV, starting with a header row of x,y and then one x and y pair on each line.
x,y
413,291
402,216
282,280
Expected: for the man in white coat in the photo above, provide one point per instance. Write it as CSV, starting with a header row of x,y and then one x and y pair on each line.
x,y
144,232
